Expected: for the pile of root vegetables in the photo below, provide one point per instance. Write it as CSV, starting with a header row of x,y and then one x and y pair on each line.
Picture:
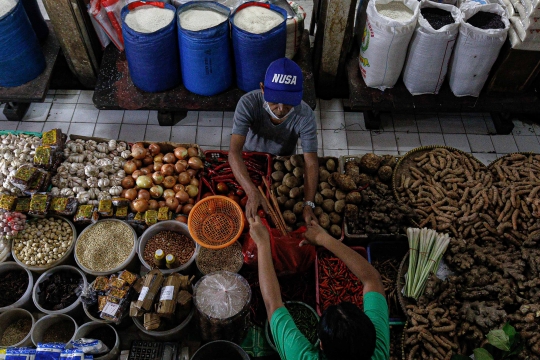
x,y
493,216
371,208
288,182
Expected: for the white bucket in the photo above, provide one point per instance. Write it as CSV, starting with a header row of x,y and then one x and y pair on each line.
x,y
9,317
88,327
26,298
72,309
43,325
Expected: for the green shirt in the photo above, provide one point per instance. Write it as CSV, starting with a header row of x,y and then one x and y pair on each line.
x,y
292,345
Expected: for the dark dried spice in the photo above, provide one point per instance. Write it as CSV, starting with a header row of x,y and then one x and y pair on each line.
x,y
60,290
13,285
437,18
61,332
486,20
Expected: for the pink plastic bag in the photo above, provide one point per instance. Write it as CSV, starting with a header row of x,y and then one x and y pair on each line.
x,y
99,14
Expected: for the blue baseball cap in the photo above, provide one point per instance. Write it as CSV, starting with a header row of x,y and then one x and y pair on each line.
x,y
283,82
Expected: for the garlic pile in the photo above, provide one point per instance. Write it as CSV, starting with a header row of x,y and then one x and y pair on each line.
x,y
15,151
92,171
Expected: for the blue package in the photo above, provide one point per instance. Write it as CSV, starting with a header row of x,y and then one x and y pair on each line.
x,y
49,351
74,354
23,353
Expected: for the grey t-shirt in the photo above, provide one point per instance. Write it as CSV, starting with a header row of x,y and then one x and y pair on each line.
x,y
252,121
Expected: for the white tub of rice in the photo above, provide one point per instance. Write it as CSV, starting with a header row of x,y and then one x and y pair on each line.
x,y
257,19
6,6
149,19
198,19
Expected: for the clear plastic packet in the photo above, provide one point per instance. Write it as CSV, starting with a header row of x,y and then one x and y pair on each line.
x,y
7,202
90,346
49,351
44,157
22,353
99,14
114,8
84,214
24,176
40,183
53,138
39,204
74,354
63,206
101,34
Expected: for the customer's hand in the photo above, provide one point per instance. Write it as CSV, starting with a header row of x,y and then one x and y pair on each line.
x,y
314,235
258,232
255,199
309,215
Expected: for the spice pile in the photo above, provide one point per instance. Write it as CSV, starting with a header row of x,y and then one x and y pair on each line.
x,y
486,20
148,19
60,332
13,284
60,290
105,245
43,242
437,18
257,19
396,10
16,332
337,283
178,245
228,259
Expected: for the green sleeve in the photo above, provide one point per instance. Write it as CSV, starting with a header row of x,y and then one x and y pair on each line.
x,y
289,341
376,309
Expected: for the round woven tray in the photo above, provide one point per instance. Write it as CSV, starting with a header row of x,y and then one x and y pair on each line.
x,y
494,162
400,283
403,356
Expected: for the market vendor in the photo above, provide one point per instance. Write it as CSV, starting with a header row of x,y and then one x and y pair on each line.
x,y
345,331
271,120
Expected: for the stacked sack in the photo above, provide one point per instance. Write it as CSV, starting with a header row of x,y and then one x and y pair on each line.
x,y
524,33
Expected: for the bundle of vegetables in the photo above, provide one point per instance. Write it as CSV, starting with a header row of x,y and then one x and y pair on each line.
x,y
155,180
218,178
426,250
288,180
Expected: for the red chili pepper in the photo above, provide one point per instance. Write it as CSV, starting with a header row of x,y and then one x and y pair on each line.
x,y
256,171
224,177
219,167
208,185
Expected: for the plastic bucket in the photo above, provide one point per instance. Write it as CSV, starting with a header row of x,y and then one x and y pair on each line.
x,y
36,18
88,327
9,317
172,334
220,349
72,309
129,263
44,324
254,52
168,225
205,55
61,261
25,300
152,58
21,58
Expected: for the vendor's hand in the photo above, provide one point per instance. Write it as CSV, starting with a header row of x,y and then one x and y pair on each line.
x,y
255,199
258,232
309,215
314,235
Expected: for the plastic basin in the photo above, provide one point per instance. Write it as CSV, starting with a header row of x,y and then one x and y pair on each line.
x,y
168,225
26,298
88,327
10,317
44,324
72,309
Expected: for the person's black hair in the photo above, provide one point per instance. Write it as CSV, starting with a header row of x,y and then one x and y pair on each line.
x,y
346,333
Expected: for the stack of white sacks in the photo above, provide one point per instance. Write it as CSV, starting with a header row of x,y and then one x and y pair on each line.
x,y
524,32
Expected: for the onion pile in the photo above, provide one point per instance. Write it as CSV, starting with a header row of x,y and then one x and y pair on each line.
x,y
154,179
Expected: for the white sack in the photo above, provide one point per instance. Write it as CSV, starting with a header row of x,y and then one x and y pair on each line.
x,y
295,29
517,44
475,52
429,52
384,45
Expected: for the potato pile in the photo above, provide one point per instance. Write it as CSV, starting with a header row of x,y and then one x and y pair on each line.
x,y
288,183
372,209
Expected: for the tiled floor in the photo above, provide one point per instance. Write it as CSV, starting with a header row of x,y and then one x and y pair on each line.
x,y
339,132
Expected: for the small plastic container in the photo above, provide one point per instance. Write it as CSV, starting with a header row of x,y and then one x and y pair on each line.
x,y
61,261
167,335
127,264
43,325
220,349
88,327
167,225
10,317
26,299
73,309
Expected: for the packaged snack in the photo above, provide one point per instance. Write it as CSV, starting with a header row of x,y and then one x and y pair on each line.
x,y
49,351
120,202
53,138
121,212
90,346
164,214
95,216
152,283
102,301
84,214
151,217
169,294
128,277
101,283
37,184
63,206
45,157
39,204
20,353
118,283
23,205
24,176
105,208
7,202
151,321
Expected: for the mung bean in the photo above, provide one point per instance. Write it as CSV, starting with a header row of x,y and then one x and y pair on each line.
x,y
15,332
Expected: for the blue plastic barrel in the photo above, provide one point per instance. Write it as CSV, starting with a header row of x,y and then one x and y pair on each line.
x,y
36,18
205,55
21,58
254,52
152,58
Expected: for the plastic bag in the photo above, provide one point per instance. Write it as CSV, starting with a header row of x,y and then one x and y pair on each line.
x,y
49,351
113,8
99,14
90,346
289,258
22,353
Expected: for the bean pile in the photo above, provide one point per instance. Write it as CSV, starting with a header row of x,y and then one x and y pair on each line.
x,y
43,242
228,259
60,290
337,283
105,246
15,332
486,20
13,285
437,18
61,332
170,242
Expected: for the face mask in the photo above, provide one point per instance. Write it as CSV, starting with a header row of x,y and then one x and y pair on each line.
x,y
274,116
